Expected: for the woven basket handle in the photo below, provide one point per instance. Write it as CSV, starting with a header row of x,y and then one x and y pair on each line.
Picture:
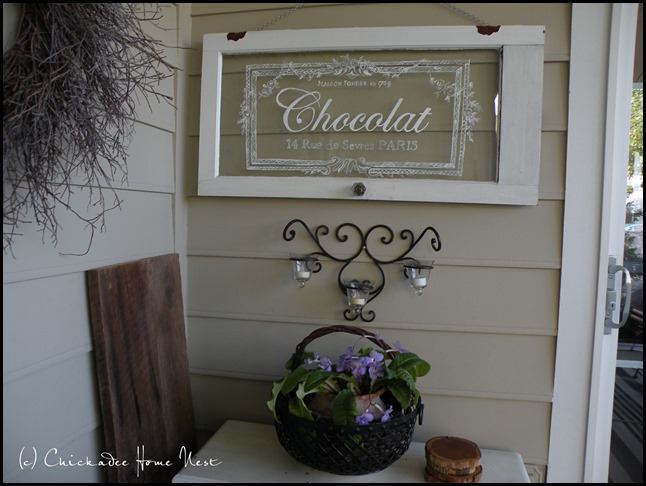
x,y
322,331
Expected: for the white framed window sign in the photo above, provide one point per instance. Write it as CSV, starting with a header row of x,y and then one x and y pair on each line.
x,y
441,114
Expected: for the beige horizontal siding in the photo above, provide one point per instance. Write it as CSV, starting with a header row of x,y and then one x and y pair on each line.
x,y
464,364
209,18
491,423
50,397
470,234
555,96
459,298
150,166
142,227
49,408
78,447
487,321
518,426
55,330
552,175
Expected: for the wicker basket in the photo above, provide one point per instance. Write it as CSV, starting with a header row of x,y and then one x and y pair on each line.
x,y
345,449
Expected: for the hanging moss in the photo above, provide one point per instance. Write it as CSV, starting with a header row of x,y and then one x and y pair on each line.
x,y
71,86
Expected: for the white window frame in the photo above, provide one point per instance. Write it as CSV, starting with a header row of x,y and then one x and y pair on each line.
x,y
520,115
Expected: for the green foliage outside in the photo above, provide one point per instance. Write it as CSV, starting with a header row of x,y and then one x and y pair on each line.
x,y
635,153
636,131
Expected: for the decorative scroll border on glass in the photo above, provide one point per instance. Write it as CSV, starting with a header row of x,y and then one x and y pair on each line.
x,y
520,116
459,93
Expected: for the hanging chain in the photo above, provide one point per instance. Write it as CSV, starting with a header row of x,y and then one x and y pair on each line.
x,y
281,16
450,6
466,14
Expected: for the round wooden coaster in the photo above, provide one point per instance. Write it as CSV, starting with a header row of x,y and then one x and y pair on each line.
x,y
433,476
454,456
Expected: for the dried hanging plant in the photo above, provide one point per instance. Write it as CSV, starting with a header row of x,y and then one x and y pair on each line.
x,y
71,85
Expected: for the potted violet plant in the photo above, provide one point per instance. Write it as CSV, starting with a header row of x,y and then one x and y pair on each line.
x,y
362,386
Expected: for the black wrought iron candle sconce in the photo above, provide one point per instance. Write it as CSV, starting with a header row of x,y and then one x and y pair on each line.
x,y
360,292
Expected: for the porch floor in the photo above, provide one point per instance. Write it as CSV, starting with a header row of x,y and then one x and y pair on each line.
x,y
627,442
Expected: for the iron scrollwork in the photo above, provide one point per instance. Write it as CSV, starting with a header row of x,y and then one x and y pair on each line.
x,y
342,235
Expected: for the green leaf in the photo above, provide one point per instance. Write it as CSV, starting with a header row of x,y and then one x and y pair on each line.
x,y
317,379
275,391
292,380
401,391
412,363
344,408
406,377
297,405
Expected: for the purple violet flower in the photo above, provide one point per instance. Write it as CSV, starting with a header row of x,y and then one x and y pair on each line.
x,y
365,418
312,360
386,415
311,363
375,365
344,362
399,347
326,364
360,367
375,371
376,368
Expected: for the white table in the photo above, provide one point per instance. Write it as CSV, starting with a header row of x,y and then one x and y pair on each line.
x,y
250,453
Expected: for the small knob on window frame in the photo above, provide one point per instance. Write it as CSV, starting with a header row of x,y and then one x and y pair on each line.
x,y
359,189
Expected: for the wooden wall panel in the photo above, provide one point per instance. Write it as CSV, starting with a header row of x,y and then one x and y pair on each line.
x,y
76,448
488,319
223,398
471,234
142,365
151,160
458,298
48,408
555,96
36,335
513,425
49,382
211,18
160,113
142,227
465,364
508,425
552,177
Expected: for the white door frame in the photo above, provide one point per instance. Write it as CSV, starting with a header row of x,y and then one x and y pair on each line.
x,y
602,50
